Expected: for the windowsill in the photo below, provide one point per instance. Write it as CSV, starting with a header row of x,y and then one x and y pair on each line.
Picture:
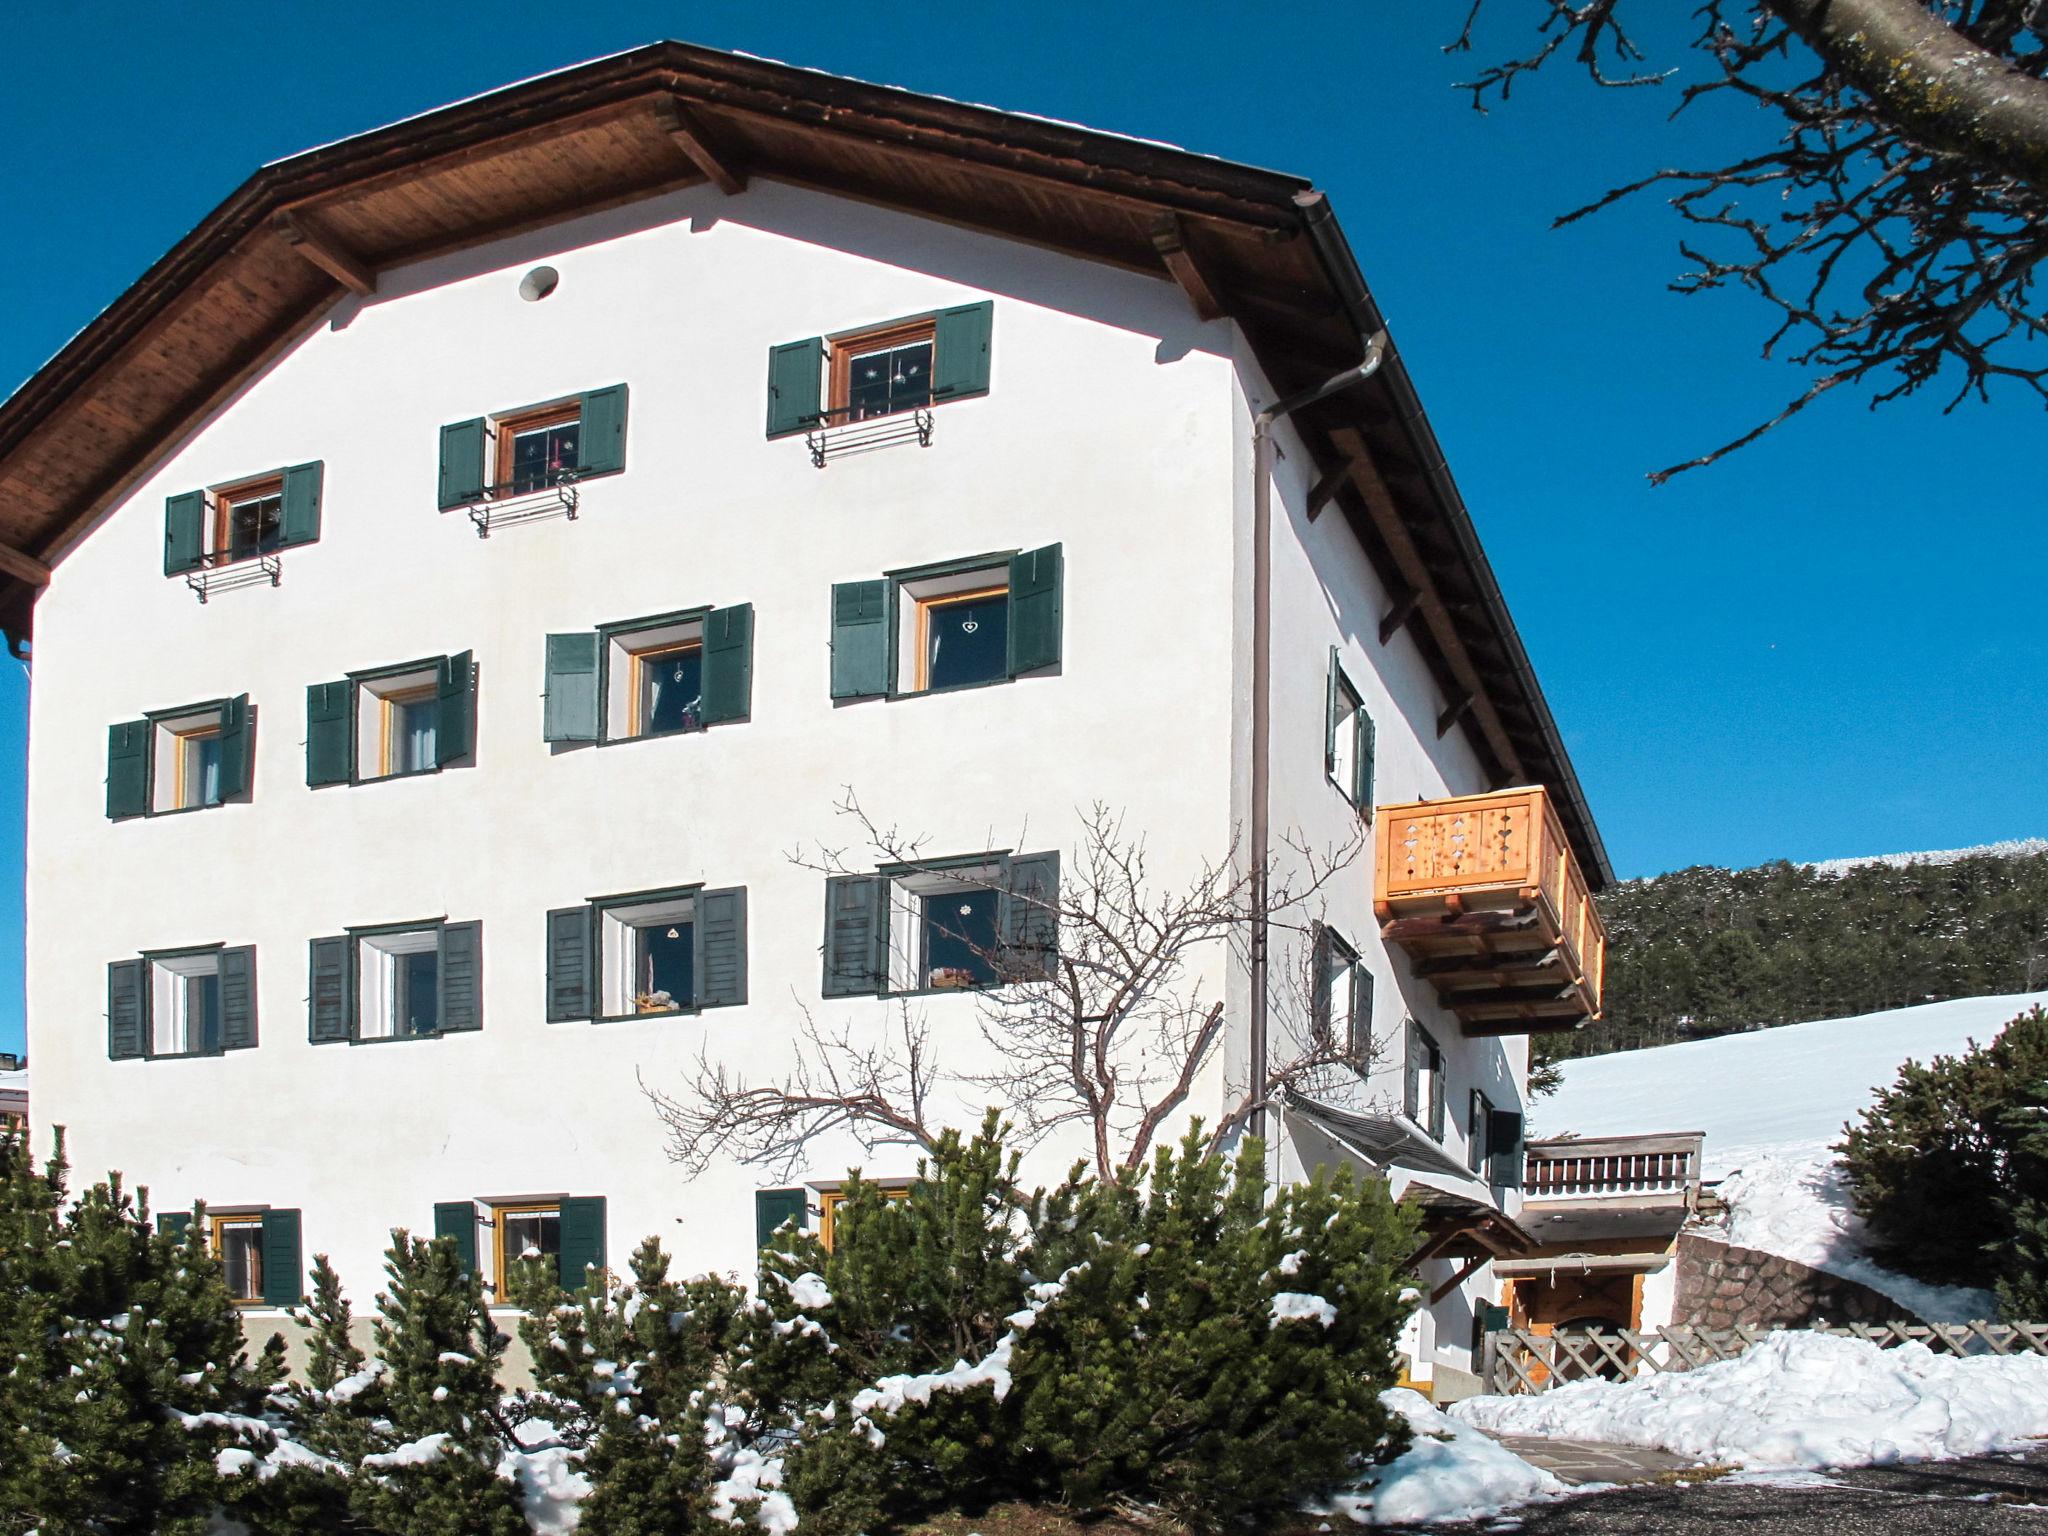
x,y
384,1039
651,1013
497,493
993,986
386,778
179,810
619,741
183,1055
925,693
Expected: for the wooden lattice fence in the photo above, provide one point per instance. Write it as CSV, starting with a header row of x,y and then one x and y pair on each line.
x,y
1520,1362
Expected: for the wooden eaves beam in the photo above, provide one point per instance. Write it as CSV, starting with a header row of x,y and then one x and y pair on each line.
x,y
23,567
324,252
1169,239
1386,517
680,125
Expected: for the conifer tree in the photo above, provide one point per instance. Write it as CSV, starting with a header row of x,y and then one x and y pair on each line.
x,y
2023,1287
438,1448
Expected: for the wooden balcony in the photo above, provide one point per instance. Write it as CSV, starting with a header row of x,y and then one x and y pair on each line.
x,y
1485,895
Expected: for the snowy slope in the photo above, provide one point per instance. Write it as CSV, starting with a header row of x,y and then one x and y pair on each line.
x,y
1772,1103
2012,848
1768,1089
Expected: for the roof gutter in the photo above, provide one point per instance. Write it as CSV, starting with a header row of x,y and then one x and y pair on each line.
x,y
1319,222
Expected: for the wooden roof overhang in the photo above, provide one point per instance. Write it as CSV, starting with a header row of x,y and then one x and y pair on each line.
x,y
1258,246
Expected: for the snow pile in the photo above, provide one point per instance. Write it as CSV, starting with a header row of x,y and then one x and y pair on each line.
x,y
754,1481
551,1484
1794,1202
1799,1400
1300,1307
2011,848
1450,1472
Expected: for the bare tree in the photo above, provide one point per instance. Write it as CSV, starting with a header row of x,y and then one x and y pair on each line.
x,y
1101,1018
1898,224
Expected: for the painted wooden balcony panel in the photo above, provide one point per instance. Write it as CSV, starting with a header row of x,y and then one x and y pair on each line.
x,y
1485,895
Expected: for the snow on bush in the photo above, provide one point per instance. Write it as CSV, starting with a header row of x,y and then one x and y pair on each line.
x,y
1799,1400
1449,1472
1297,1307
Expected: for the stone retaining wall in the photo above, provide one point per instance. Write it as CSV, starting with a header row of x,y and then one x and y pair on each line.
x,y
1720,1286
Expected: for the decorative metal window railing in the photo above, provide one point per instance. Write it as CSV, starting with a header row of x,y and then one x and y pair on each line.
x,y
503,504
827,441
221,574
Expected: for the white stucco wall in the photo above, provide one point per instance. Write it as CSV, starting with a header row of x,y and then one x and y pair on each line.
x,y
1116,424
1107,429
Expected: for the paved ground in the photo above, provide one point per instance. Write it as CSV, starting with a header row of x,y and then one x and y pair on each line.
x,y
1593,1461
1984,1496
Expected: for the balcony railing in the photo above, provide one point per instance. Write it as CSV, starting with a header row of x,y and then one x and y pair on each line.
x,y
1486,896
497,505
1592,1167
836,434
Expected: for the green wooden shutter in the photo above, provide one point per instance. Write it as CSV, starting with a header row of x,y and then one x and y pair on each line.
x,y
1027,916
1436,1092
1504,1147
960,350
1361,1011
570,712
860,639
462,977
127,769
455,687
1319,979
728,664
462,462
238,997
856,934
1332,695
173,1224
284,1270
570,963
330,989
1411,1074
602,450
234,747
772,1208
582,1247
127,1009
1036,604
1368,745
300,522
184,532
719,931
796,375
457,1219
1475,1129
330,733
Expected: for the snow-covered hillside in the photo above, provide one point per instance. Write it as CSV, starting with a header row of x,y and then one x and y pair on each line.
x,y
2012,848
1772,1103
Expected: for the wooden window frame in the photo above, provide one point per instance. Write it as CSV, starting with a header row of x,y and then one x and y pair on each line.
x,y
921,673
500,1257
224,500
531,419
218,1224
387,710
843,348
636,687
180,740
831,1197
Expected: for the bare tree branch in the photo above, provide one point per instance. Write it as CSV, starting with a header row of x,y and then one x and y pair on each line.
x,y
1899,224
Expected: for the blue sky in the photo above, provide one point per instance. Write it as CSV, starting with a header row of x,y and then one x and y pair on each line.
x,y
1826,645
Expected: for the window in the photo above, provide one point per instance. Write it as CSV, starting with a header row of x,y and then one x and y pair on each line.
x,y
957,625
179,759
391,722
943,925
182,1002
1423,1085
401,981
651,952
1348,740
532,449
243,520
1343,995
879,370
238,1244
662,676
524,1232
832,1196
249,519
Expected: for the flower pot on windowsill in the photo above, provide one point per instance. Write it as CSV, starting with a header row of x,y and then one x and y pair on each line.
x,y
952,978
